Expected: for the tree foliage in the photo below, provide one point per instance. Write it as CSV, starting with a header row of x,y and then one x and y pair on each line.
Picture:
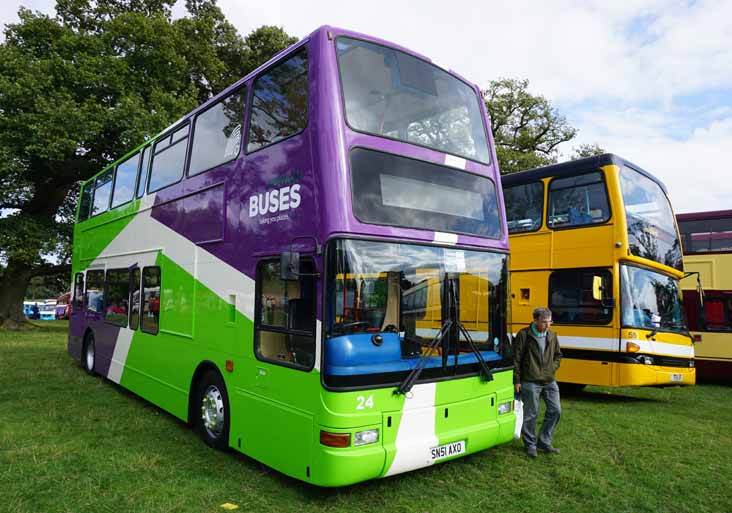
x,y
526,128
81,88
586,150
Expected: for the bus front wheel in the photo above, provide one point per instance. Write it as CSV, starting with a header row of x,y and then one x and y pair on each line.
x,y
212,412
88,355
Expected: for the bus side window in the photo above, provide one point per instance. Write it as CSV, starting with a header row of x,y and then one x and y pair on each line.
x,y
168,160
102,192
135,299
217,133
124,181
151,300
86,199
94,297
571,297
117,292
577,201
285,317
524,206
280,102
78,292
144,171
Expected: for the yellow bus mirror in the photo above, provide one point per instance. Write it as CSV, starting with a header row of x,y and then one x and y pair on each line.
x,y
597,288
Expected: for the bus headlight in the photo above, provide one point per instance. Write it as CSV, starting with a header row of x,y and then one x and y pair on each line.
x,y
647,360
369,436
504,407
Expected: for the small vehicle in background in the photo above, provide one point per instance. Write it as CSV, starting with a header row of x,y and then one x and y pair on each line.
x,y
48,311
63,306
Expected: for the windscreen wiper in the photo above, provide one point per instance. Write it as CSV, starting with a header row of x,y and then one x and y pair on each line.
x,y
485,370
408,382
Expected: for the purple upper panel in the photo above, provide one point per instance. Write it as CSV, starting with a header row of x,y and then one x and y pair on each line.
x,y
298,191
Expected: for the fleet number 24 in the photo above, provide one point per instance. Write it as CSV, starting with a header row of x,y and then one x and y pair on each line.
x,y
364,402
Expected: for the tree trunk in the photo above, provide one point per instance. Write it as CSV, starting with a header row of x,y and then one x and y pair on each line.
x,y
13,284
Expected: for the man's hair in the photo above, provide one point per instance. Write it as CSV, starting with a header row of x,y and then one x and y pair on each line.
x,y
542,313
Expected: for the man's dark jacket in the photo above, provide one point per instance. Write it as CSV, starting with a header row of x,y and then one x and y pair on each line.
x,y
527,362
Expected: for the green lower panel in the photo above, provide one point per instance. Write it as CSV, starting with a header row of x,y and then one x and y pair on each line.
x,y
340,467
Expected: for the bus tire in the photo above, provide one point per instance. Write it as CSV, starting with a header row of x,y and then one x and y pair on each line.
x,y
88,354
212,410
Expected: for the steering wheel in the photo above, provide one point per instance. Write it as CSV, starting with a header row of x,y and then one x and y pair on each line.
x,y
353,326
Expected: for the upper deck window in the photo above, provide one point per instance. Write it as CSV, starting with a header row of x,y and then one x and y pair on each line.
x,y
398,191
102,191
578,201
86,201
524,205
217,133
279,102
144,171
651,228
704,235
124,183
169,158
392,94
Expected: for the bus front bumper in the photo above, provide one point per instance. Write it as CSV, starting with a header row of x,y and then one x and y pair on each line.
x,y
634,374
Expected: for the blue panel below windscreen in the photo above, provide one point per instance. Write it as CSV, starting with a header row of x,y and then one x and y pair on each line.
x,y
357,354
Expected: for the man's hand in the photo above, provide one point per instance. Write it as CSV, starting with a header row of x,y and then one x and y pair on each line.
x,y
517,386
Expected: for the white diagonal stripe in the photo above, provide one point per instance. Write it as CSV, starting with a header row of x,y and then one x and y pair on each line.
x,y
416,434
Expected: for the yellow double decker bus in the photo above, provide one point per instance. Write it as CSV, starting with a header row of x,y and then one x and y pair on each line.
x,y
707,243
596,241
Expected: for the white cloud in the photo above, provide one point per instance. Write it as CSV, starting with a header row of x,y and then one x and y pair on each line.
x,y
692,169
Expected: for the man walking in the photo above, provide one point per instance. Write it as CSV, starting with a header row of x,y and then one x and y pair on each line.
x,y
536,356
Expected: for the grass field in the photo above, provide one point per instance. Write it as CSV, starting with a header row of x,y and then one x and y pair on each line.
x,y
73,443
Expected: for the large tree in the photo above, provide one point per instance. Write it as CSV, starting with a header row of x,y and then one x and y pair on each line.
x,y
526,128
81,88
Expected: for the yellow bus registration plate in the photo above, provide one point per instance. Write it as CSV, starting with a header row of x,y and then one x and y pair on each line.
x,y
677,377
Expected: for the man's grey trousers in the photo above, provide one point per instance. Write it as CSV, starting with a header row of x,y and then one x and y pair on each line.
x,y
530,394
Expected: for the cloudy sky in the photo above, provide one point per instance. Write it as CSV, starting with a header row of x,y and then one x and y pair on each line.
x,y
649,80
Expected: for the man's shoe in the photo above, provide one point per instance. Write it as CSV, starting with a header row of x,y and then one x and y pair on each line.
x,y
549,450
531,452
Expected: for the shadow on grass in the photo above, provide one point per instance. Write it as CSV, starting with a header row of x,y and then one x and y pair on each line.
x,y
608,397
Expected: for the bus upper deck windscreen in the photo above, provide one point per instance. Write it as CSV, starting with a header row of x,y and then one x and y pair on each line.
x,y
392,94
651,228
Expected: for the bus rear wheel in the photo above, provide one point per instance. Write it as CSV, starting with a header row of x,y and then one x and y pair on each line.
x,y
88,355
212,412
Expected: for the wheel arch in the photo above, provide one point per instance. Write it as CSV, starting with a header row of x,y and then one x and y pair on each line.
x,y
203,367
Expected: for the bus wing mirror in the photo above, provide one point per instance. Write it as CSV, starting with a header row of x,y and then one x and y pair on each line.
x,y
289,266
597,288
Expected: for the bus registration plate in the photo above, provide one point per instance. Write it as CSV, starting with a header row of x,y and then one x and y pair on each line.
x,y
447,450
677,377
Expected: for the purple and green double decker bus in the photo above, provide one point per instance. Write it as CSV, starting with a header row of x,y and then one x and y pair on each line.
x,y
311,267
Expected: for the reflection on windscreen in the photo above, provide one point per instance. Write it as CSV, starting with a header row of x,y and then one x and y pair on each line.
x,y
651,228
650,300
392,94
405,294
